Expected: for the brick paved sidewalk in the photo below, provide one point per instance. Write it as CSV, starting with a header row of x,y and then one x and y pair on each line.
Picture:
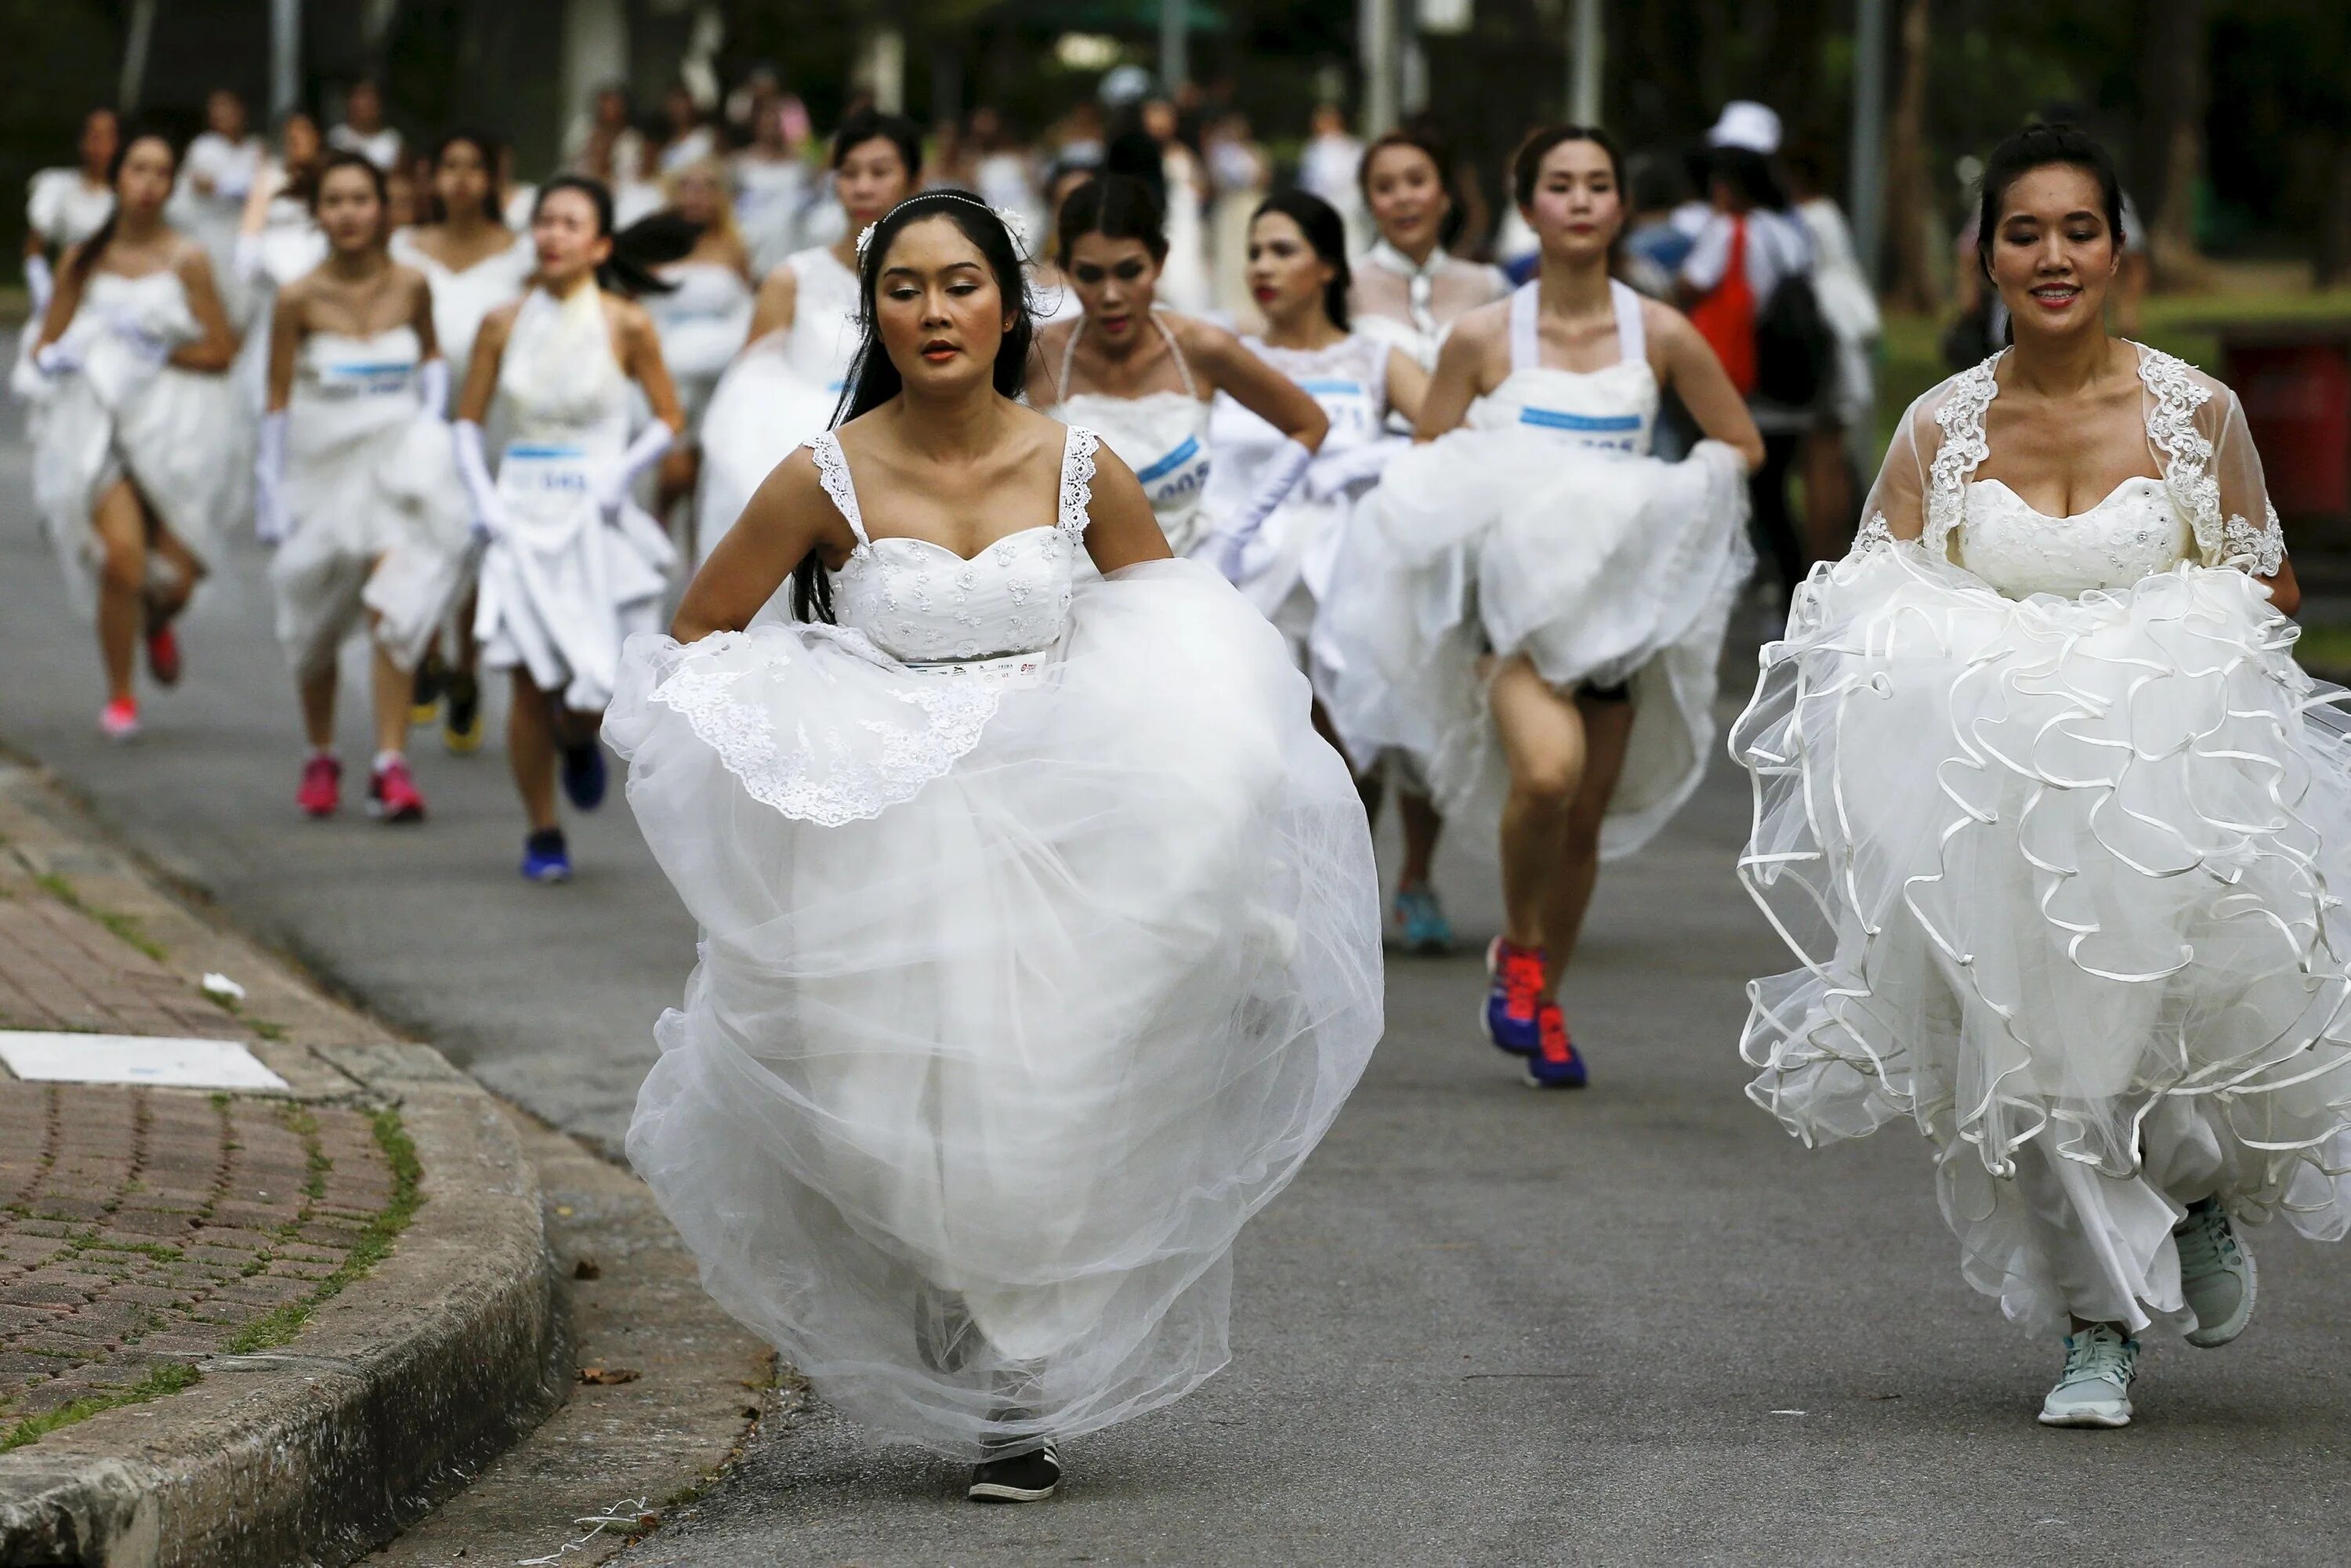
x,y
143,1229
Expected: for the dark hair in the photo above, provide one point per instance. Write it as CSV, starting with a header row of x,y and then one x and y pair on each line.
x,y
622,272
1526,164
873,380
494,207
868,124
1749,172
1421,141
1136,154
2038,147
1327,233
343,160
95,245
1115,206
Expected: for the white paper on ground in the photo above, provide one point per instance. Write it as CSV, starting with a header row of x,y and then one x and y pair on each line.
x,y
133,1058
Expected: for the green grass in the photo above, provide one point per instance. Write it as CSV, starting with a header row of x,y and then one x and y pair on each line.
x,y
168,1378
122,926
282,1323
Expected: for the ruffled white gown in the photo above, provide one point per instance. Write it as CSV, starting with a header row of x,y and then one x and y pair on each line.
x,y
1040,945
379,515
179,436
561,586
1543,527
777,394
1287,568
2060,833
462,299
702,324
1162,436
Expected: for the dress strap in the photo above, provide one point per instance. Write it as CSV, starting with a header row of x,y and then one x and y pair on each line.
x,y
1632,332
1069,358
1960,452
1526,348
1175,349
832,473
1077,481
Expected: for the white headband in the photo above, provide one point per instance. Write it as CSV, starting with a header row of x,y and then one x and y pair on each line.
x,y
1014,225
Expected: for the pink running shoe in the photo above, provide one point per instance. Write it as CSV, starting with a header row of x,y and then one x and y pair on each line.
x,y
392,794
322,786
119,719
163,655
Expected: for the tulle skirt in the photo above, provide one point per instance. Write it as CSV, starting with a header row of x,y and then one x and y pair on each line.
x,y
1601,568
1022,987
761,409
2065,879
379,526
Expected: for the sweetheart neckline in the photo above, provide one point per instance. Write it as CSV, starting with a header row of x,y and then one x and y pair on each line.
x,y
952,555
2094,509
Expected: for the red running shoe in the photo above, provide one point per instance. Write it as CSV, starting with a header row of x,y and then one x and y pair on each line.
x,y
163,655
119,719
1510,1001
392,794
322,786
1555,1063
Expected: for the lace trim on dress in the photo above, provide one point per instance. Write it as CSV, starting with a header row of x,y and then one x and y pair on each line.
x,y
2187,454
828,776
2259,550
832,473
1077,481
1875,535
1962,451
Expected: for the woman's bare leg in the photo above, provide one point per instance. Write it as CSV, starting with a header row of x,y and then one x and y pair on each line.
x,y
1608,725
121,523
1544,741
530,750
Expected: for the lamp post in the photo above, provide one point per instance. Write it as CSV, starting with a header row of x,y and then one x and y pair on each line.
x,y
1867,160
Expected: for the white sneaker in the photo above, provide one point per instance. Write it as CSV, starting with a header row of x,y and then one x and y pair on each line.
x,y
2216,1274
2094,1389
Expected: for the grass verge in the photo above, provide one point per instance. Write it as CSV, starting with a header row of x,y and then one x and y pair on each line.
x,y
168,1378
277,1326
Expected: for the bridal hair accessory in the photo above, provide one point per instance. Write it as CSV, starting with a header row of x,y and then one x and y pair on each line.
x,y
1014,223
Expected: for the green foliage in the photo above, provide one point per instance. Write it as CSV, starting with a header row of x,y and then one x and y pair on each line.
x,y
168,1378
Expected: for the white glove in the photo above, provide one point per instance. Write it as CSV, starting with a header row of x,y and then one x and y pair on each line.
x,y
41,283
1230,543
246,260
271,525
1335,473
140,341
610,484
489,512
59,359
432,389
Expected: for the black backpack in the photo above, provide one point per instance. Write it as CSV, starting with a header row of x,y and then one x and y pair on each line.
x,y
1792,347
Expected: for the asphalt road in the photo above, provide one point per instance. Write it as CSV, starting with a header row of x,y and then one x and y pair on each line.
x,y
1636,1324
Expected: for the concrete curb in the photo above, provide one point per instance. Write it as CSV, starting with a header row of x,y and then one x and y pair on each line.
x,y
416,1374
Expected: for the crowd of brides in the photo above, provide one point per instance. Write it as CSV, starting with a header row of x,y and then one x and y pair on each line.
x,y
1045,654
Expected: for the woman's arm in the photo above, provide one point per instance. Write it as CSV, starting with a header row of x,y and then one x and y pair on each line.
x,y
2249,534
1120,528
420,315
1407,385
788,518
1460,374
1699,379
1037,382
777,303
482,368
71,279
216,349
285,342
641,357
1257,386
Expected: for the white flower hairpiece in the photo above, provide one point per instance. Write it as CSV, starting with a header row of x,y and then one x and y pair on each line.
x,y
1014,223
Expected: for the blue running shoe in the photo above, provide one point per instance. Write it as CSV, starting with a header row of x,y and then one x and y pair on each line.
x,y
1514,999
545,858
583,775
1556,1063
1425,929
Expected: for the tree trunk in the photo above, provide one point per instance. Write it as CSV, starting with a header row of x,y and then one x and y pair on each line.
x,y
2175,95
1910,216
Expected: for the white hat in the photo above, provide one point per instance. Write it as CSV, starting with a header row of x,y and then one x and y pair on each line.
x,y
1748,124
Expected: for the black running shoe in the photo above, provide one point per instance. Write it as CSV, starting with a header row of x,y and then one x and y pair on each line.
x,y
461,716
425,688
1030,1477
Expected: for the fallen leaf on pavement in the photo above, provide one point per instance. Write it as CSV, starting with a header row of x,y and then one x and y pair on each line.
x,y
606,1376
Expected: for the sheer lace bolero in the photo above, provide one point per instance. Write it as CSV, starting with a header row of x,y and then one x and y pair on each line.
x,y
2196,432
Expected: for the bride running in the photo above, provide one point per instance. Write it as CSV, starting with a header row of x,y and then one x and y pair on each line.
x,y
572,564
1145,378
141,453
354,486
786,385
1545,628
2056,826
1039,934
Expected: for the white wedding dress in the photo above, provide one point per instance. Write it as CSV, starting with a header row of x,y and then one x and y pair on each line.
x,y
462,299
2060,832
780,392
379,514
1542,527
1162,436
562,585
702,324
1040,945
